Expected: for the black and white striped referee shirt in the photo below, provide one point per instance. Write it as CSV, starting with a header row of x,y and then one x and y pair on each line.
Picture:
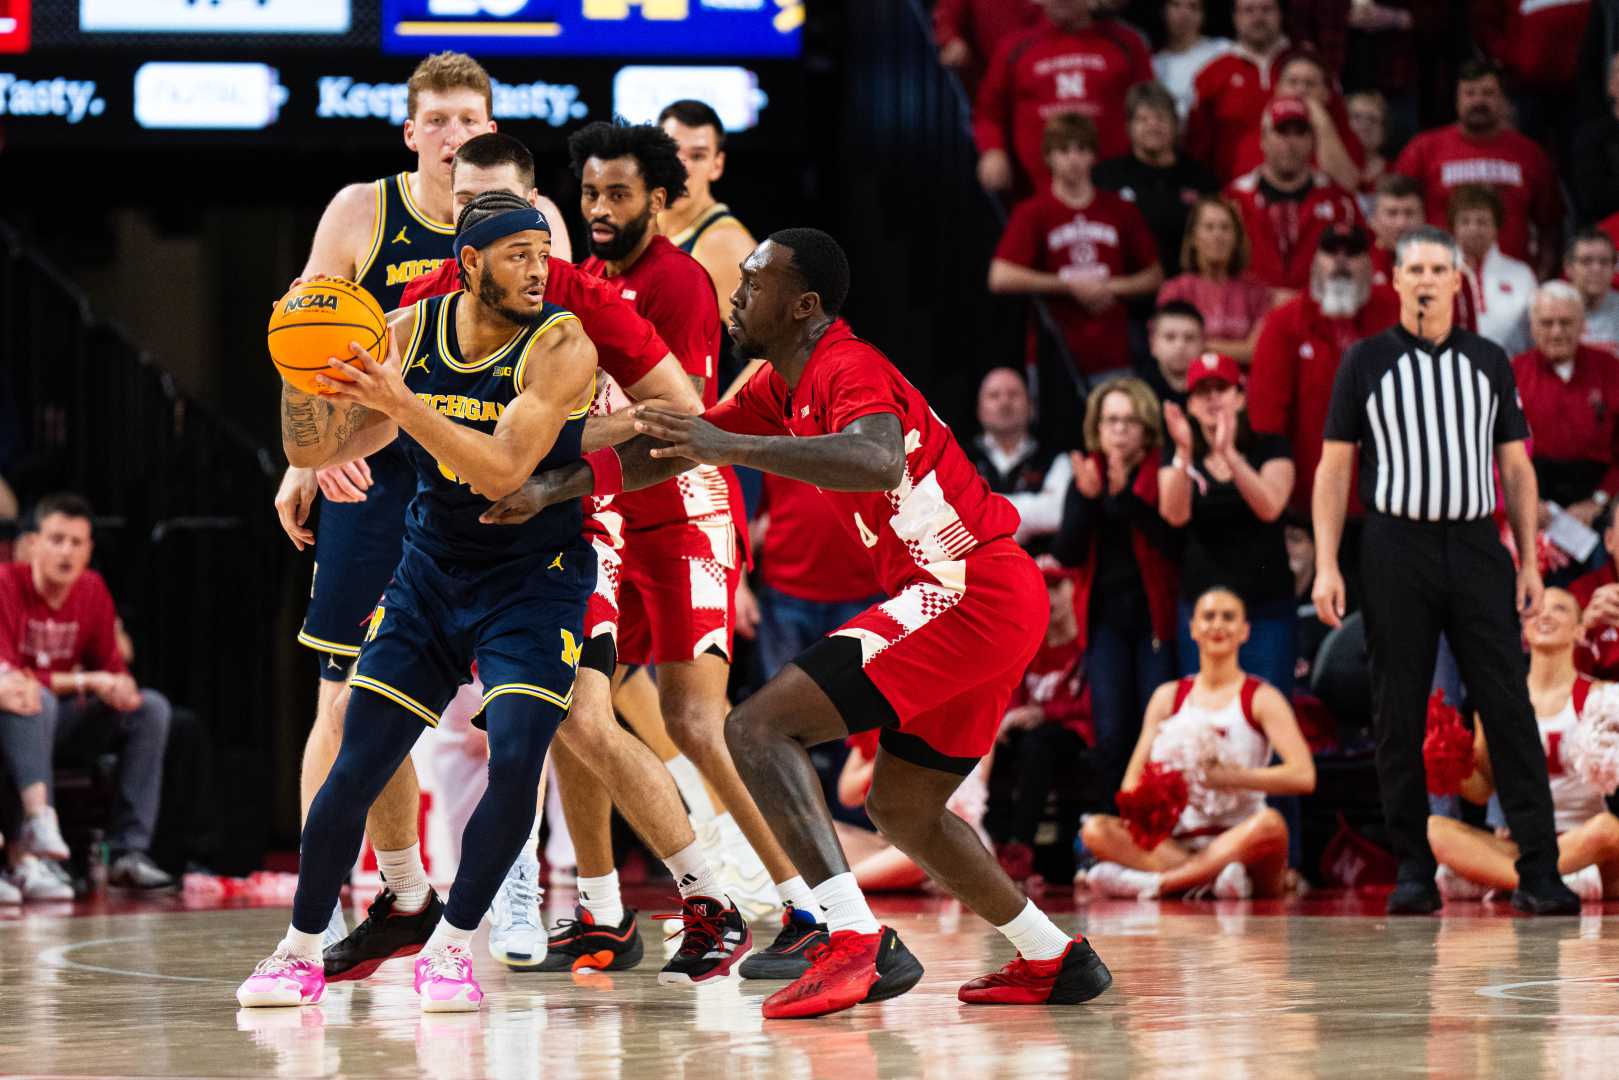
x,y
1428,419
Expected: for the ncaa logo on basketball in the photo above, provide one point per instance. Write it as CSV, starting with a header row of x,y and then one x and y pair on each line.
x,y
310,300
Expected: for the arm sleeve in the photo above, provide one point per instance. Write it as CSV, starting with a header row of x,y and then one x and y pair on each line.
x,y
1510,423
753,410
99,650
1271,380
10,624
992,111
1019,243
1344,415
627,346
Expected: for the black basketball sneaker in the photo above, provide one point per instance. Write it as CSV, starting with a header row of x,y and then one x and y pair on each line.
x,y
788,956
715,937
578,943
384,935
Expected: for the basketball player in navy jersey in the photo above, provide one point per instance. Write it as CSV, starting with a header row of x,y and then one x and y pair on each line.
x,y
383,235
482,388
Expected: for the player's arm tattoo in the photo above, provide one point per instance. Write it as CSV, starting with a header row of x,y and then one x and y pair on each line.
x,y
312,427
303,418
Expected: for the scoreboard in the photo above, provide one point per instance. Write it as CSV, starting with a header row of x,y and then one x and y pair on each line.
x,y
127,72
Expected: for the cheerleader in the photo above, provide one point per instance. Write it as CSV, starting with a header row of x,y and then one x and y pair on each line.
x,y
1218,729
1473,861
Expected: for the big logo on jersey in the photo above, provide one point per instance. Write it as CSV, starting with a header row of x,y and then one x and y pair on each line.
x,y
713,28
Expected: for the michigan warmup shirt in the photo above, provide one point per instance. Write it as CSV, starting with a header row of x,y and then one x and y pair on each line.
x,y
1428,419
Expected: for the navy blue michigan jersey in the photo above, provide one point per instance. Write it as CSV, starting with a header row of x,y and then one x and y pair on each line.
x,y
405,244
443,517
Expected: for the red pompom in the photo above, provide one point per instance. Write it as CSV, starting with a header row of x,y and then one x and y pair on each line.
x,y
1447,751
1153,807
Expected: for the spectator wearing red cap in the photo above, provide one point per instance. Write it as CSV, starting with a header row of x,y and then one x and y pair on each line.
x,y
1482,148
1570,392
1071,62
1123,557
1046,733
1286,205
1597,653
1217,281
969,31
1227,486
1494,298
1087,249
1231,91
1338,152
1302,342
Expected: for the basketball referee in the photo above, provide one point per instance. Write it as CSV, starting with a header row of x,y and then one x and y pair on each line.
x,y
1431,409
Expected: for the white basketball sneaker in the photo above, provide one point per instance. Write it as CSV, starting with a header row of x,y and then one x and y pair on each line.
x,y
516,934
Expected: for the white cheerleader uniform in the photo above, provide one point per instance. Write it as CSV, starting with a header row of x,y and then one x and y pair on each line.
x,y
1242,744
1574,802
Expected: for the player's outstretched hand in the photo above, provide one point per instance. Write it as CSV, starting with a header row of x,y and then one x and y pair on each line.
x,y
688,437
361,380
523,503
293,503
345,483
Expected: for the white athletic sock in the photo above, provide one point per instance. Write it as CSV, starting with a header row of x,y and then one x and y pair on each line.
x,y
1034,935
795,892
690,783
445,934
406,876
600,897
693,874
303,946
845,905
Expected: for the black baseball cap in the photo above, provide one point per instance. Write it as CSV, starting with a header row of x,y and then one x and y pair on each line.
x,y
1344,238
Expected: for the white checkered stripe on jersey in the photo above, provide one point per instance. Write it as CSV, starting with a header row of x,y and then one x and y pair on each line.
x,y
917,604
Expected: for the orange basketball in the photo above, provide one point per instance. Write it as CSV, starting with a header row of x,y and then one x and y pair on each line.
x,y
315,322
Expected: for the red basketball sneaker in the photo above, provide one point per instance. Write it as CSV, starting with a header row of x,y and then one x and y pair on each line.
x,y
1075,976
851,969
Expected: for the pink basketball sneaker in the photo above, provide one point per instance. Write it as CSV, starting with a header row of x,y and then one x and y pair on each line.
x,y
283,979
444,980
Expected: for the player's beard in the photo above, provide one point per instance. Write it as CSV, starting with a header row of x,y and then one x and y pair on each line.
x,y
492,296
626,239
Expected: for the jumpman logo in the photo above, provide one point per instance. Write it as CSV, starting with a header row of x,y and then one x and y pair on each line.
x,y
556,563
401,238
419,362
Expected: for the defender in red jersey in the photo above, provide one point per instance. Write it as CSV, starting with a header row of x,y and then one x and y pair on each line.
x,y
630,354
933,667
681,558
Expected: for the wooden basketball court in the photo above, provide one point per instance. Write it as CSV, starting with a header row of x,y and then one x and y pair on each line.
x,y
1324,987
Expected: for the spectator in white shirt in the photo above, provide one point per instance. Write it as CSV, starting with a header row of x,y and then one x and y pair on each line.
x,y
1185,51
1496,288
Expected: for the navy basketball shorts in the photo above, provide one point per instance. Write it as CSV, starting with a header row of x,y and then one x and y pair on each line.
x,y
357,546
521,621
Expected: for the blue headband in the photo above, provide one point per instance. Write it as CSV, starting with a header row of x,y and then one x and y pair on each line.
x,y
499,227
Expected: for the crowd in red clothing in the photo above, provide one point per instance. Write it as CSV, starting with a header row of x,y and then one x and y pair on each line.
x,y
1174,194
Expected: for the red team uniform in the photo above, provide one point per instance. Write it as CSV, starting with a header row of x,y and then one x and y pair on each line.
x,y
681,555
969,607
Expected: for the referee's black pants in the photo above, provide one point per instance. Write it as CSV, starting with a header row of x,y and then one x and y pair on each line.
x,y
1422,579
